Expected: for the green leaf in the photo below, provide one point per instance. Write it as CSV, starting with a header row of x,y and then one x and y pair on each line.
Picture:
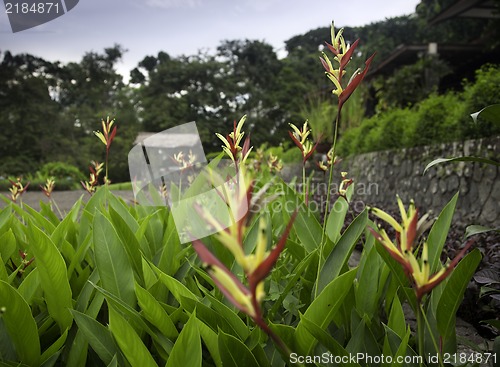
x,y
3,271
168,262
326,340
321,311
402,350
232,318
7,245
53,276
97,335
342,251
476,229
306,226
336,219
367,287
308,229
461,159
439,232
490,113
125,228
55,348
46,210
209,338
129,342
20,325
29,286
297,273
234,353
397,320
454,291
154,313
178,289
112,261
39,219
187,348
398,273
363,339
114,362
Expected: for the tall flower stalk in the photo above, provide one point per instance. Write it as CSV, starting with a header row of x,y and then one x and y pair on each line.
x,y
342,52
47,189
106,137
17,189
301,139
405,251
247,294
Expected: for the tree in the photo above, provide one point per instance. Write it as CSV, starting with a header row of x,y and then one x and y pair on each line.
x,y
30,122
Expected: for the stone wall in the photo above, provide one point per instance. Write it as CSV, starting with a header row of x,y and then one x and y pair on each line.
x,y
379,176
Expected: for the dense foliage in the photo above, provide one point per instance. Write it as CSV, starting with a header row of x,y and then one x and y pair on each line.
x,y
435,119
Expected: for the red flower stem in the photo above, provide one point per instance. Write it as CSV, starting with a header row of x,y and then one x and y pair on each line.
x,y
328,198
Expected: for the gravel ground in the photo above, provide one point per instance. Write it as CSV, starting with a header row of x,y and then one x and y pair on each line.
x,y
63,199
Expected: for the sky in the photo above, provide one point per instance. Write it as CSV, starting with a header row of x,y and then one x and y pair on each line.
x,y
184,27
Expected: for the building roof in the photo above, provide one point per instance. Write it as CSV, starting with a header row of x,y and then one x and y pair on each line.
x,y
467,9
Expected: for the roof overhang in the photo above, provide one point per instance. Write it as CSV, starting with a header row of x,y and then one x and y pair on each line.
x,y
468,9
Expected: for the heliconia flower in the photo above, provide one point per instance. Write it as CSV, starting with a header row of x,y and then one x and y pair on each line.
x,y
95,170
163,191
417,271
17,189
107,135
343,53
226,281
300,138
274,163
48,187
231,147
344,185
257,265
330,160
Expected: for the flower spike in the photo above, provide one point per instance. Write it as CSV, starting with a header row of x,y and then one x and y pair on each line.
x,y
343,54
416,270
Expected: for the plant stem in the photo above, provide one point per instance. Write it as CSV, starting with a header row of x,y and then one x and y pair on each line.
x,y
438,351
304,190
327,207
53,202
106,176
420,333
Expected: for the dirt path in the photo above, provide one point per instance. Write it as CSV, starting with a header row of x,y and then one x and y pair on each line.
x,y
64,199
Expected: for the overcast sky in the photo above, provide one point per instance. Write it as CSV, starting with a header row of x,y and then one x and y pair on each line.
x,y
185,26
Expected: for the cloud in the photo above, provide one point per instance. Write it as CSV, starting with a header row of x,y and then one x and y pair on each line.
x,y
173,4
261,5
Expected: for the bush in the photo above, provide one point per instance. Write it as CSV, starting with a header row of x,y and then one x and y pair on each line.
x,y
66,175
436,120
483,92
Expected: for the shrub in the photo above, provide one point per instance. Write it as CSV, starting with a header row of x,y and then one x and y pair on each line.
x,y
436,120
66,175
483,92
